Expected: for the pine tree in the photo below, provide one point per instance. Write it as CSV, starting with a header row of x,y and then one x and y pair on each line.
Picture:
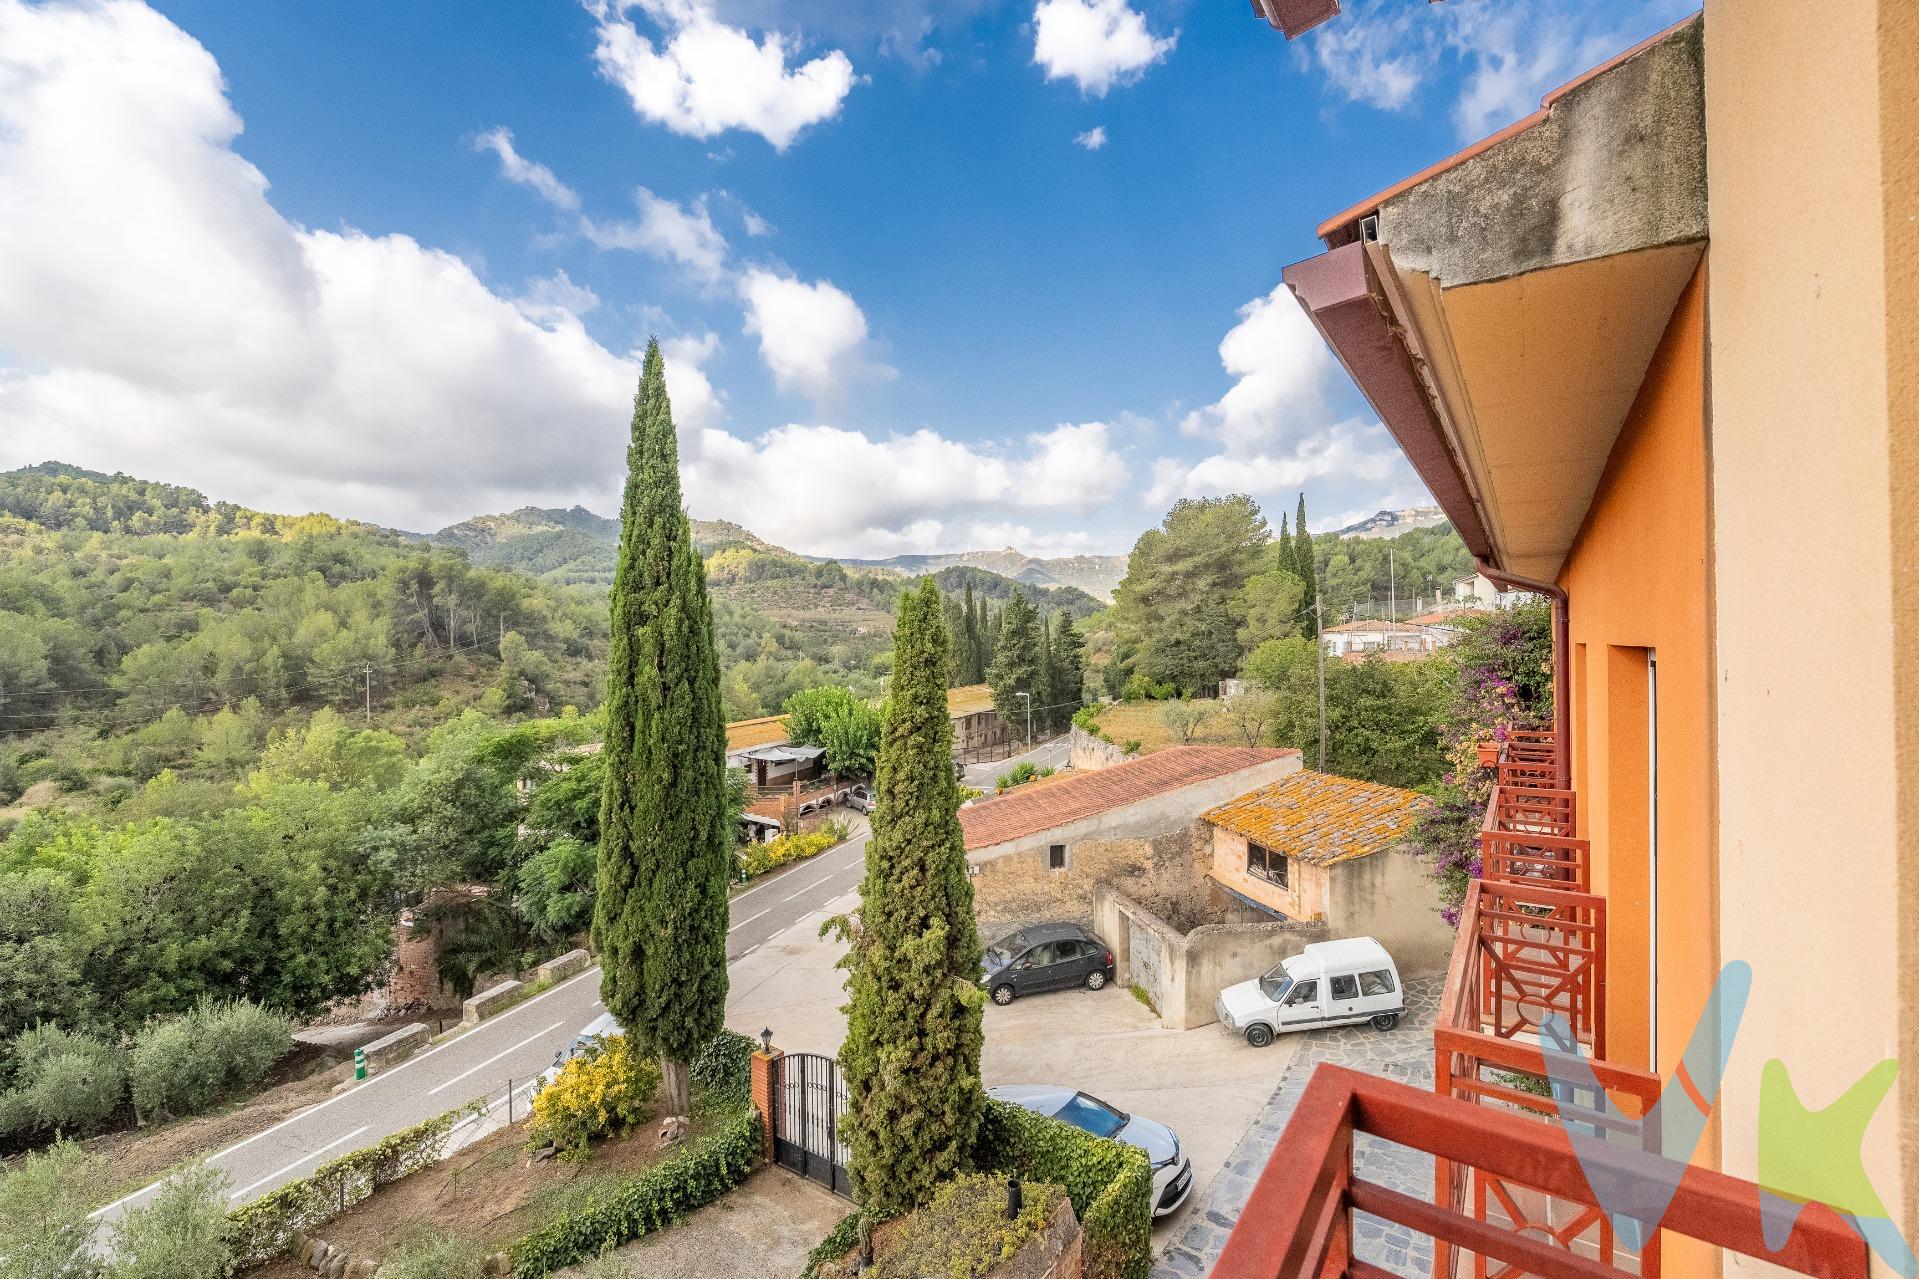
x,y
1015,668
912,1049
1069,666
1307,571
1043,699
666,852
969,642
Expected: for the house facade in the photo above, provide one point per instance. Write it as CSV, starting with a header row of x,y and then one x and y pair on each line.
x,y
1044,850
1359,638
1312,847
1617,340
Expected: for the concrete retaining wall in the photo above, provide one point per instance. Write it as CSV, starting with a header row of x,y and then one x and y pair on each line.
x,y
567,965
398,1046
488,1002
1183,973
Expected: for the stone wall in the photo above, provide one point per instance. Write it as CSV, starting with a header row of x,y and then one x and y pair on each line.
x,y
1183,973
1087,752
1390,897
1021,888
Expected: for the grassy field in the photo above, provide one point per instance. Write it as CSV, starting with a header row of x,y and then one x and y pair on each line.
x,y
1143,722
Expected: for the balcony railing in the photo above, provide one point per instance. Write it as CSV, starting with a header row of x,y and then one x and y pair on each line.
x,y
1510,1198
1298,1222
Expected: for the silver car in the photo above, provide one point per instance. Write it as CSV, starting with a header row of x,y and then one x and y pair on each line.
x,y
1172,1171
602,1027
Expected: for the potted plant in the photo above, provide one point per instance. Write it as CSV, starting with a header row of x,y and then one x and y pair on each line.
x,y
1489,754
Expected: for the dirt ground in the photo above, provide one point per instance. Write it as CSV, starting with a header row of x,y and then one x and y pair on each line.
x,y
138,1156
489,1192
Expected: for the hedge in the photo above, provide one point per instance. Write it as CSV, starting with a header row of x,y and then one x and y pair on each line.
x,y
692,1177
758,859
1109,1182
264,1229
723,1073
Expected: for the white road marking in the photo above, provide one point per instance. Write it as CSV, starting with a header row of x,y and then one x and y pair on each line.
x,y
804,891
311,1154
749,919
433,1092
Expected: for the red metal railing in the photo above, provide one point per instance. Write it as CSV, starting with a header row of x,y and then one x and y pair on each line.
x,y
1298,1222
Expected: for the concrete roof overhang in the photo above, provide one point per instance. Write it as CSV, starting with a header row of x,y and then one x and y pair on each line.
x,y
1500,313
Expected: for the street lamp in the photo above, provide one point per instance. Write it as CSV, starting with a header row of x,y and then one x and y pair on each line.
x,y
1029,719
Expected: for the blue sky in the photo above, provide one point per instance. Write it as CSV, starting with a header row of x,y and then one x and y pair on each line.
x,y
394,261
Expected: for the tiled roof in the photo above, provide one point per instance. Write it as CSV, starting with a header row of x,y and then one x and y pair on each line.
x,y
1385,655
1031,809
970,700
1368,626
744,734
1320,818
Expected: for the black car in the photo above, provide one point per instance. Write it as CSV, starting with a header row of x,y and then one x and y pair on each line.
x,y
1045,957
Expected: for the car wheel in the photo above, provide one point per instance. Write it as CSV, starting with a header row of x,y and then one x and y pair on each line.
x,y
1096,979
1002,995
1385,1021
1259,1036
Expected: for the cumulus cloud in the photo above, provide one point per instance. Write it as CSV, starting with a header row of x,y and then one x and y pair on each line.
x,y
1273,430
158,315
1093,139
518,169
1095,43
705,77
1499,56
813,337
672,232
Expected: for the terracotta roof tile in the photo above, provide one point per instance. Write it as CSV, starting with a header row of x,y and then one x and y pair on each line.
x,y
1029,810
1320,818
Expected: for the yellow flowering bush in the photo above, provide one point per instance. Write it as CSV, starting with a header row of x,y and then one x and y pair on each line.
x,y
757,859
606,1091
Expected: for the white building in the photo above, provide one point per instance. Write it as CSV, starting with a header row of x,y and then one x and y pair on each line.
x,y
1481,591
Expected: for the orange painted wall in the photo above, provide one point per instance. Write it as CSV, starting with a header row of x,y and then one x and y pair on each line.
x,y
1637,579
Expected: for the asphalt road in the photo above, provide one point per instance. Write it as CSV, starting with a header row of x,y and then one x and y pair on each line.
x,y
504,1055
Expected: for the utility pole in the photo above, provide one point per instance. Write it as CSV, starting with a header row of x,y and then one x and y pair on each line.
x,y
367,670
1392,585
1029,718
1322,682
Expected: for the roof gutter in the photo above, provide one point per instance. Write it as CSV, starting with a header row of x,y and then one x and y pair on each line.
x,y
1562,672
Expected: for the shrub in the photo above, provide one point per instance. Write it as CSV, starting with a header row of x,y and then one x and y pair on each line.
x,y
1131,746
836,1245
264,1228
44,1206
63,1081
695,1175
724,1068
963,1231
185,1230
1086,719
1018,775
173,1074
246,1039
1110,1183
757,859
433,1254
605,1091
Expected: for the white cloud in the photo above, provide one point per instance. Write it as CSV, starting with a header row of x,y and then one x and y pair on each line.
x,y
813,337
1504,55
1093,139
1095,43
158,315
706,77
755,224
666,230
517,169
1273,430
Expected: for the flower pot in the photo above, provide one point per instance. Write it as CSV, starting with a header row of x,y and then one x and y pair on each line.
x,y
1488,754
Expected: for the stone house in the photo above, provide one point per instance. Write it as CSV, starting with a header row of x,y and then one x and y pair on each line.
x,y
1312,847
1045,849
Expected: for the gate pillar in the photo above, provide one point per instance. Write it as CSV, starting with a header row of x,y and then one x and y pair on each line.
x,y
765,1081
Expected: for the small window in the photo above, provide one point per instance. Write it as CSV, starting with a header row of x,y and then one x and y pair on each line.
x,y
1377,983
1042,955
1307,992
1264,863
1346,987
1056,857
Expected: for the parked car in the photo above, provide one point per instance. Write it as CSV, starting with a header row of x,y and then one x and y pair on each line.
x,y
1045,957
862,800
605,1026
1172,1172
1330,983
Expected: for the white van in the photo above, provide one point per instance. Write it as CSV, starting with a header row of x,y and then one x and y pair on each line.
x,y
1330,983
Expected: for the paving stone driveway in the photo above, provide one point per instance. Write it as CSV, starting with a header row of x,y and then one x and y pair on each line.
x,y
1404,1054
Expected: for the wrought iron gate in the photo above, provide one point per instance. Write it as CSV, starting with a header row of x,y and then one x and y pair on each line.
x,y
809,1096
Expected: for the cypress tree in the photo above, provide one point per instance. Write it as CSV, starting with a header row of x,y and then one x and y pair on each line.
x,y
1308,571
912,1049
666,850
1015,668
969,642
1044,711
1069,666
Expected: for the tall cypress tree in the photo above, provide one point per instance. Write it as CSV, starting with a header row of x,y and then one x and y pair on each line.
x,y
1069,666
1015,668
666,852
912,1049
1308,570
969,642
1044,711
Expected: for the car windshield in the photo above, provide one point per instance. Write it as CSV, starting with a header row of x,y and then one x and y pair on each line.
x,y
1090,1114
1001,953
1275,984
